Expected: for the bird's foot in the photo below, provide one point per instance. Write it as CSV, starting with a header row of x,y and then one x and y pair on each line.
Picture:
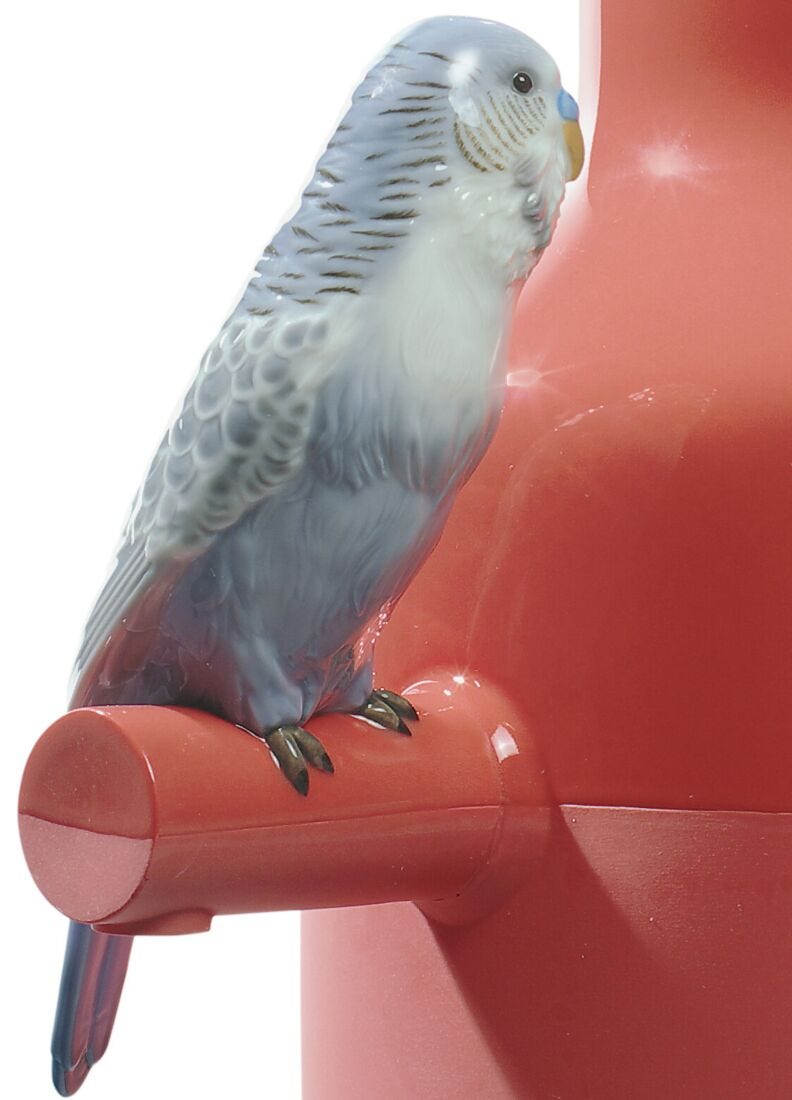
x,y
388,709
294,748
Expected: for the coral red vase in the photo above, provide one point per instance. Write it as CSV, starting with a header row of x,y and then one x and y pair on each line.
x,y
620,567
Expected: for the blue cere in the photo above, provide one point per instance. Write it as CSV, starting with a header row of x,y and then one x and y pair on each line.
x,y
567,106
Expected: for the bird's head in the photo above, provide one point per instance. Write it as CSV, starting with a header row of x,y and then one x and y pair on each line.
x,y
459,112
461,133
504,100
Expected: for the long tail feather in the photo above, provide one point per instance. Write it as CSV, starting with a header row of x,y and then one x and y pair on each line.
x,y
94,968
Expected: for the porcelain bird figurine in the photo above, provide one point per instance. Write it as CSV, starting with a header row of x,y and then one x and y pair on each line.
x,y
331,423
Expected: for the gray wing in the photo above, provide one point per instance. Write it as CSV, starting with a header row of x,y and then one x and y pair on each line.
x,y
242,431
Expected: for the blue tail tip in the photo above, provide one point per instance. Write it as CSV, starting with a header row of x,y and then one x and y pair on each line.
x,y
68,1081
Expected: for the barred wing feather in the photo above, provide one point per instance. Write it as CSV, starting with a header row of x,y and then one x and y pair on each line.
x,y
241,433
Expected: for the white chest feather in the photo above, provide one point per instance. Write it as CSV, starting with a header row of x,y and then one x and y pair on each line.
x,y
446,308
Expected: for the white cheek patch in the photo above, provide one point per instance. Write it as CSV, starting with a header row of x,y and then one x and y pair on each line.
x,y
461,75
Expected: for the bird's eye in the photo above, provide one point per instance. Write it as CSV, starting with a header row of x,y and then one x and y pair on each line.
x,y
522,83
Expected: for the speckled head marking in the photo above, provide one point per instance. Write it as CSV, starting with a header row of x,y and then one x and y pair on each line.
x,y
453,100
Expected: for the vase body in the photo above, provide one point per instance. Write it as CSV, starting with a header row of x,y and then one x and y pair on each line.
x,y
619,566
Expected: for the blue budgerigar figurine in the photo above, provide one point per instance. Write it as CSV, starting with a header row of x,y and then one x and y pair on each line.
x,y
330,425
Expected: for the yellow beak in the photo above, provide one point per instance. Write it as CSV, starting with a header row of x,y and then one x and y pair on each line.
x,y
574,143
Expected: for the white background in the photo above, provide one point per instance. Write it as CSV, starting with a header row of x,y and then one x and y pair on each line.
x,y
151,150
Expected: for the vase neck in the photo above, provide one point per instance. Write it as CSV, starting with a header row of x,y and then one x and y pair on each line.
x,y
661,70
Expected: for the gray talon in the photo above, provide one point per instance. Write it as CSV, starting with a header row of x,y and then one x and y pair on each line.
x,y
402,706
313,750
292,747
380,712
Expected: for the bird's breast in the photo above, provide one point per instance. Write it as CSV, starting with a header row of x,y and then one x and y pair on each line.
x,y
435,332
445,316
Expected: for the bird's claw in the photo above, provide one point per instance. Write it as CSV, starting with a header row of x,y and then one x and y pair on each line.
x,y
386,708
294,747
402,706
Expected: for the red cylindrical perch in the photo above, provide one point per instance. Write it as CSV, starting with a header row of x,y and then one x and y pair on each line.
x,y
154,819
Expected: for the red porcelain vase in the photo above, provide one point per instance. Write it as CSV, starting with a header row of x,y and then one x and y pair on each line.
x,y
620,568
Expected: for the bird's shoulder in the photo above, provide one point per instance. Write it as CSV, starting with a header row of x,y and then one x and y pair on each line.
x,y
240,433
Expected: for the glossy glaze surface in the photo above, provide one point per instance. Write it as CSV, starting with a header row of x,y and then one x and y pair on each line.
x,y
620,562
619,566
